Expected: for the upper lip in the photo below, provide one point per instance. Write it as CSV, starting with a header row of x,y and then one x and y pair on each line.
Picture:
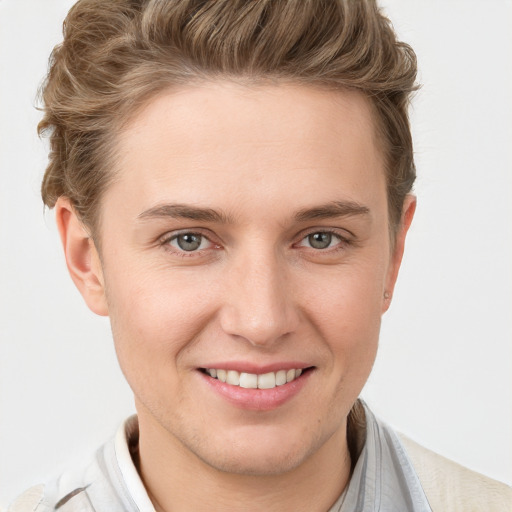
x,y
258,369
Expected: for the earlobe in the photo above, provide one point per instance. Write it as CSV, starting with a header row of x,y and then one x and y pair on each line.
x,y
82,257
398,250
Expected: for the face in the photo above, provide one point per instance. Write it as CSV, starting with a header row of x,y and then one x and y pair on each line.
x,y
245,258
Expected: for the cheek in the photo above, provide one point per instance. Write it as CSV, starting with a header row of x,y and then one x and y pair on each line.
x,y
155,322
155,316
347,315
346,296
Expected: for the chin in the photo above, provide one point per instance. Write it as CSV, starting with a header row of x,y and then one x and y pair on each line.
x,y
259,453
259,463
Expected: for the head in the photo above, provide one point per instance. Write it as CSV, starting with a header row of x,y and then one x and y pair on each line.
x,y
232,182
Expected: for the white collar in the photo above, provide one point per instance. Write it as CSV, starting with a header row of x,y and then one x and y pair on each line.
x,y
127,434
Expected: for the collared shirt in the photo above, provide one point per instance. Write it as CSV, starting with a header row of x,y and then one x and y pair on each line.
x,y
383,479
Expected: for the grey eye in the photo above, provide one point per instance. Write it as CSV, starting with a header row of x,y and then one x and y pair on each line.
x,y
320,240
189,241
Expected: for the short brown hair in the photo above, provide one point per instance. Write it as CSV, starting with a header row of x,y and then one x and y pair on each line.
x,y
117,54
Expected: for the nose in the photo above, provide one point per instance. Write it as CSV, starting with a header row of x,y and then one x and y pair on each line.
x,y
259,303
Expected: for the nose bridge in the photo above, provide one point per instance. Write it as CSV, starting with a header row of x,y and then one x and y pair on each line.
x,y
259,304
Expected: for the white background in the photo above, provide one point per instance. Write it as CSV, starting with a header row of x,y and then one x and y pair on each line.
x,y
443,375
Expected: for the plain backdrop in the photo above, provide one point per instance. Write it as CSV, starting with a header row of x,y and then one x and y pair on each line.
x,y
443,374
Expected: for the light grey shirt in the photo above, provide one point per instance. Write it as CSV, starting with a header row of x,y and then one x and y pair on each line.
x,y
383,479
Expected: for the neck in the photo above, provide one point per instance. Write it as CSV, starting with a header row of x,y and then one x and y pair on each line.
x,y
177,480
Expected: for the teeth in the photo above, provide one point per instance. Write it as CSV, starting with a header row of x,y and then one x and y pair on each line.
x,y
233,378
267,381
248,380
253,381
280,377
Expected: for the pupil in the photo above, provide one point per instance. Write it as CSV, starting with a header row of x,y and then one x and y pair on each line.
x,y
189,242
320,240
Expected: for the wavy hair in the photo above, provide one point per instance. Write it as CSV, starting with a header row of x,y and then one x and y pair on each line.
x,y
118,54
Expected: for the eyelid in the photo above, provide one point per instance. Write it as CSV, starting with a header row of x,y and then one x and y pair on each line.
x,y
342,234
164,240
345,238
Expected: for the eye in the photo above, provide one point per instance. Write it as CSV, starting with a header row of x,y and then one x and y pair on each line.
x,y
189,242
321,240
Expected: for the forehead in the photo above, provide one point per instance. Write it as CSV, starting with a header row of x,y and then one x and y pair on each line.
x,y
198,143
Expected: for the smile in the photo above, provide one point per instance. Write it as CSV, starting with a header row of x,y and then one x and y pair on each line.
x,y
252,380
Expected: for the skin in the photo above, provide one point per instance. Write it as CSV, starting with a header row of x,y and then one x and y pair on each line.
x,y
264,159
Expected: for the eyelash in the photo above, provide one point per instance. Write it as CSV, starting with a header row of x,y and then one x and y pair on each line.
x,y
343,242
166,240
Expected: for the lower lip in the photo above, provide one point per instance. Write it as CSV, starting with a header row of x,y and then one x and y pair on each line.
x,y
257,399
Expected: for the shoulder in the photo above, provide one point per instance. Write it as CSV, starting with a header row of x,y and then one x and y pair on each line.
x,y
451,487
30,501
69,492
41,499
99,485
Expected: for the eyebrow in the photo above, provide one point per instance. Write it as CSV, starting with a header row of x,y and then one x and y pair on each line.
x,y
183,211
333,209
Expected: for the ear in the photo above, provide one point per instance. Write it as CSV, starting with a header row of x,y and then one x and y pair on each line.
x,y
82,257
398,249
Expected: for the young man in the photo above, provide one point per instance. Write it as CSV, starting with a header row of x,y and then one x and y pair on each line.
x,y
232,187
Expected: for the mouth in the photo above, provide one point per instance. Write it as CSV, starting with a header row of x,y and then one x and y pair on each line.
x,y
246,380
256,389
